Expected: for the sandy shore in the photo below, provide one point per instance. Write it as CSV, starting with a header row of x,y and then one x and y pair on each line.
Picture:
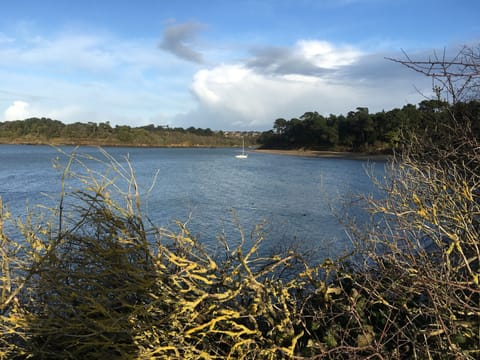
x,y
325,154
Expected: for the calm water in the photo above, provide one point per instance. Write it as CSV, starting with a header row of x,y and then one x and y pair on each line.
x,y
293,195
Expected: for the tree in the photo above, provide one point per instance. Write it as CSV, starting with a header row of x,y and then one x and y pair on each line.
x,y
280,125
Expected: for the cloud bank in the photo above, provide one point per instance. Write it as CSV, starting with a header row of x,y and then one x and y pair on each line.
x,y
288,81
83,77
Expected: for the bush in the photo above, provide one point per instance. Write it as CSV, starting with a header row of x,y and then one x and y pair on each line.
x,y
421,257
92,281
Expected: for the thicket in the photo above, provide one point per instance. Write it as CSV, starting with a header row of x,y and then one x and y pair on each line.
x,y
95,278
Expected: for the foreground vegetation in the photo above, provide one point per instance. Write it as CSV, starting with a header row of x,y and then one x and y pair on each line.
x,y
95,278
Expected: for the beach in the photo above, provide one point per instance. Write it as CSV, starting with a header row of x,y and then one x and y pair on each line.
x,y
326,154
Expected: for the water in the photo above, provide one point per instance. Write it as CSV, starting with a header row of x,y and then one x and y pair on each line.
x,y
292,195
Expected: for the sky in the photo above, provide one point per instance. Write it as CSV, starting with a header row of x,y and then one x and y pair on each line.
x,y
219,64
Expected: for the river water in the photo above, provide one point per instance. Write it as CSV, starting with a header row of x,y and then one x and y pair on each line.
x,y
293,196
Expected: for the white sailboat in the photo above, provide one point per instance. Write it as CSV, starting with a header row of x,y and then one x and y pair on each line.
x,y
243,155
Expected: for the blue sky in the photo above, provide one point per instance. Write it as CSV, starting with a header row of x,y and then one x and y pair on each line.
x,y
222,64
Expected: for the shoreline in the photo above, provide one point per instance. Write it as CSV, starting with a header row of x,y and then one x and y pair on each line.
x,y
326,154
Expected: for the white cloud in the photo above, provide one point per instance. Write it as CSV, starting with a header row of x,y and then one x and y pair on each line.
x,y
19,110
91,77
64,52
323,54
250,96
324,78
97,55
306,57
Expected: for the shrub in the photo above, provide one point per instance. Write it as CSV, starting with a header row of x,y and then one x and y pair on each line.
x,y
92,281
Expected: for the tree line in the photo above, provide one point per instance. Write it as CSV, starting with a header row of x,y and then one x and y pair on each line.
x,y
360,130
47,131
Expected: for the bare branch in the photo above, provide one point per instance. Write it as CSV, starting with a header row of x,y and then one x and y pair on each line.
x,y
457,78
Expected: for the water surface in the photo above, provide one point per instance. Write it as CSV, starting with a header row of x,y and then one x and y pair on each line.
x,y
292,195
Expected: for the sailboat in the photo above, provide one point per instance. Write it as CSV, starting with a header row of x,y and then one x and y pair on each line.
x,y
243,155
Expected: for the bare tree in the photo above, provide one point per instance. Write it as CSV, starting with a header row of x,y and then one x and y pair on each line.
x,y
457,78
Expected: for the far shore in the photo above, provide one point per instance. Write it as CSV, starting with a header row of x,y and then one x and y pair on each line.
x,y
327,154
291,152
